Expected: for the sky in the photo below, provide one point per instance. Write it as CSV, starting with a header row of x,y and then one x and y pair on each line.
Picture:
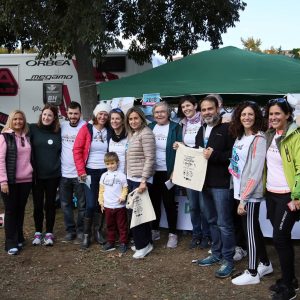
x,y
275,22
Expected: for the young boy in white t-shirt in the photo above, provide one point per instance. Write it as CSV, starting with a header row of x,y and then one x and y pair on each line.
x,y
112,198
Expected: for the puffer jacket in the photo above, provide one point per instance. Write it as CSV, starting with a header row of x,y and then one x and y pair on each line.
x,y
82,146
140,155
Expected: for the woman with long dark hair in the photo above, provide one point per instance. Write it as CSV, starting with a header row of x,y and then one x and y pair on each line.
x,y
283,190
15,178
118,141
46,145
246,167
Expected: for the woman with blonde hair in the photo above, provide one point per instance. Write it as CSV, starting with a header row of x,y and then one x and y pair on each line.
x,y
15,178
140,159
46,145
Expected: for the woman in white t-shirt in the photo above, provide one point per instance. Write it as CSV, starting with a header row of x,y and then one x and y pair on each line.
x,y
188,112
91,144
166,133
118,141
246,167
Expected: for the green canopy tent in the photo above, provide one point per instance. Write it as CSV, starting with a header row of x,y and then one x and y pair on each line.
x,y
227,71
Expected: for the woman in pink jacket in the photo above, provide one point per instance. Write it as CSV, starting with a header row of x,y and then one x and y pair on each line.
x,y
15,178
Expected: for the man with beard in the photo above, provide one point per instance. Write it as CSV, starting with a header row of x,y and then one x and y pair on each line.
x,y
218,203
69,184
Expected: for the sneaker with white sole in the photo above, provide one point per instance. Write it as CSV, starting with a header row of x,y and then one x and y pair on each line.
x,y
13,251
239,254
37,240
246,278
263,270
48,239
172,241
143,252
155,235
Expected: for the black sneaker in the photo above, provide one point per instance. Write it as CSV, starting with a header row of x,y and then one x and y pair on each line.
x,y
205,243
108,247
285,293
195,242
277,286
123,248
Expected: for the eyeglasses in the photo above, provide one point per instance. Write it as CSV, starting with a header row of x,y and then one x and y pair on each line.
x,y
22,141
160,112
278,100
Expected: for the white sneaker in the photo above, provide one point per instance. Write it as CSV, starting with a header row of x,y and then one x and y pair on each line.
x,y
172,241
48,239
133,248
37,240
246,278
143,252
155,235
263,270
13,251
239,254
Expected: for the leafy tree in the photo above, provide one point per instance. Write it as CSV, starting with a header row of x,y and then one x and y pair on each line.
x,y
89,28
296,53
251,44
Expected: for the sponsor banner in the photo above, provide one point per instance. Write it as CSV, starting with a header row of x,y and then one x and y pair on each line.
x,y
151,99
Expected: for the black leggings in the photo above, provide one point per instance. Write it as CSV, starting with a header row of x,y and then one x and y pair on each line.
x,y
256,246
283,221
158,193
15,203
44,188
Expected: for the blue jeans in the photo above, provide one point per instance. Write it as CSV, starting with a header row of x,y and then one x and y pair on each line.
x,y
198,219
68,187
92,193
218,207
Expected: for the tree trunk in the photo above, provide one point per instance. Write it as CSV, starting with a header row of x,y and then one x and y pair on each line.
x,y
87,84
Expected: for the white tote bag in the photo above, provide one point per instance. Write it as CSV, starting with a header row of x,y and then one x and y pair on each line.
x,y
142,209
190,168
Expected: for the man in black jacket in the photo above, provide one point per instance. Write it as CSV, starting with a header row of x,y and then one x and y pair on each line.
x,y
218,204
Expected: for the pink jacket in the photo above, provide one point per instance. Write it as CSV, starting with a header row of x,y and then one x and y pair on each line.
x,y
23,168
81,148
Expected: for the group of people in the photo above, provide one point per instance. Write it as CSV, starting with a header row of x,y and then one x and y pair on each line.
x,y
251,157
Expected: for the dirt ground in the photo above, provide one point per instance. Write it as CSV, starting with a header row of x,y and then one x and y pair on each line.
x,y
66,272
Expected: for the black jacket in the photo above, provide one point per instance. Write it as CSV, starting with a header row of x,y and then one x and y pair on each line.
x,y
11,157
217,175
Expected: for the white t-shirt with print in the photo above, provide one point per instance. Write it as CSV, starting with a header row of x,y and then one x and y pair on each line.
x,y
191,130
68,136
119,148
98,149
238,160
113,184
161,134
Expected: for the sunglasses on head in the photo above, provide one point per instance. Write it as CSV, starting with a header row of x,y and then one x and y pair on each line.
x,y
118,110
277,100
